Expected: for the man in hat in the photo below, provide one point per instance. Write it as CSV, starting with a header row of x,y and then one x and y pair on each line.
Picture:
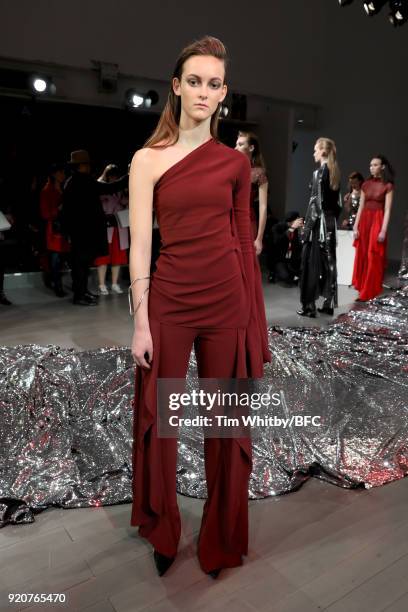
x,y
85,222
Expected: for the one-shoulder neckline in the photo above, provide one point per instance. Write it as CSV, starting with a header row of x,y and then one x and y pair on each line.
x,y
180,161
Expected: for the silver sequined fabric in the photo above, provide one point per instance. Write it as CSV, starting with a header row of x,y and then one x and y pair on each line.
x,y
66,416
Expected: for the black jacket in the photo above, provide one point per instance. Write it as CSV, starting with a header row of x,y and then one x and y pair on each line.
x,y
82,216
323,201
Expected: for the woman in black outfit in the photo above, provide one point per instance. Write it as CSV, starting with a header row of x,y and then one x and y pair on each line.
x,y
318,268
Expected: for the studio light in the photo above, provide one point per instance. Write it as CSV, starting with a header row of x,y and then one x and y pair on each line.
x,y
374,7
136,99
42,85
224,111
399,12
398,9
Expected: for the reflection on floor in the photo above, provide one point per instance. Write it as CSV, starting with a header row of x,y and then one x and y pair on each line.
x,y
38,317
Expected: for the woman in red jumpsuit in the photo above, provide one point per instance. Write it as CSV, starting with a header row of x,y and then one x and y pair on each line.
x,y
203,293
370,229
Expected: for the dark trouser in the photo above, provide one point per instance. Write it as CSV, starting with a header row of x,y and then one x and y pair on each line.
x,y
318,268
285,271
1,275
81,260
55,259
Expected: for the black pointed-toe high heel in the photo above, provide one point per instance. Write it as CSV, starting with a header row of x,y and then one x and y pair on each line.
x,y
162,562
214,573
307,312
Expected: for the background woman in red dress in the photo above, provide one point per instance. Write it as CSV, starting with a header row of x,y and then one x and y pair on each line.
x,y
248,143
370,229
50,209
202,293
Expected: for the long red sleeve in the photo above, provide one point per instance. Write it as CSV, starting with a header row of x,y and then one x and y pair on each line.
x,y
257,335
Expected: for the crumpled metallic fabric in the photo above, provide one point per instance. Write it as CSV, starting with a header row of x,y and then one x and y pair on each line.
x,y
66,416
65,426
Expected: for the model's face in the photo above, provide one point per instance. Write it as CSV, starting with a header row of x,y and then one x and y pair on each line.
x,y
243,147
376,167
84,168
355,184
318,153
201,87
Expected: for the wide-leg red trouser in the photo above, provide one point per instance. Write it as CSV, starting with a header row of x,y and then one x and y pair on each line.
x,y
223,537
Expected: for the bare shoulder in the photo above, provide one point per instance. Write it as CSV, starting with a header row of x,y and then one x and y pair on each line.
x,y
143,159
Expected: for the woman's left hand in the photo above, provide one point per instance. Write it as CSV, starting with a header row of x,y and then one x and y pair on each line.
x,y
381,236
258,246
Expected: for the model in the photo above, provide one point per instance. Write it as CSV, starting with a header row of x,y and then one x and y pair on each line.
x,y
203,294
318,268
248,143
370,229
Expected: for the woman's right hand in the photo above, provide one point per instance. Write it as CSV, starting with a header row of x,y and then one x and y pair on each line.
x,y
356,233
141,344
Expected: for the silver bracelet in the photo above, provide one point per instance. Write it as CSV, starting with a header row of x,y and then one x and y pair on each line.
x,y
133,311
138,279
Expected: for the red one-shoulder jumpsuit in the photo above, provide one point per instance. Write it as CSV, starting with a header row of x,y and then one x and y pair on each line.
x,y
206,292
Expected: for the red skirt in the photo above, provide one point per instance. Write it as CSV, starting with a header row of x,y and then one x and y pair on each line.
x,y
117,256
370,260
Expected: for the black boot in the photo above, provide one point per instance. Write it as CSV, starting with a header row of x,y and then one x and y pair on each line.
x,y
214,573
162,563
307,310
326,308
59,291
4,300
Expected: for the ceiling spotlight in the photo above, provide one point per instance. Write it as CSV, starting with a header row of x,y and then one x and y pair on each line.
x,y
345,2
135,99
42,85
224,111
374,7
399,12
152,97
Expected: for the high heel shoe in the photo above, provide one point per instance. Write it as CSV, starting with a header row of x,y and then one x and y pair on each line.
x,y
214,573
326,310
306,312
162,562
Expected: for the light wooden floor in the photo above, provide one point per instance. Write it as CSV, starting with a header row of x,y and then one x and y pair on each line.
x,y
321,548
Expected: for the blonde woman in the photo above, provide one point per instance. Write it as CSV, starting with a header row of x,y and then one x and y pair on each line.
x,y
318,269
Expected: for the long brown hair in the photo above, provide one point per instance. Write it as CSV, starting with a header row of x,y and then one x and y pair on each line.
x,y
329,147
257,160
388,174
167,129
